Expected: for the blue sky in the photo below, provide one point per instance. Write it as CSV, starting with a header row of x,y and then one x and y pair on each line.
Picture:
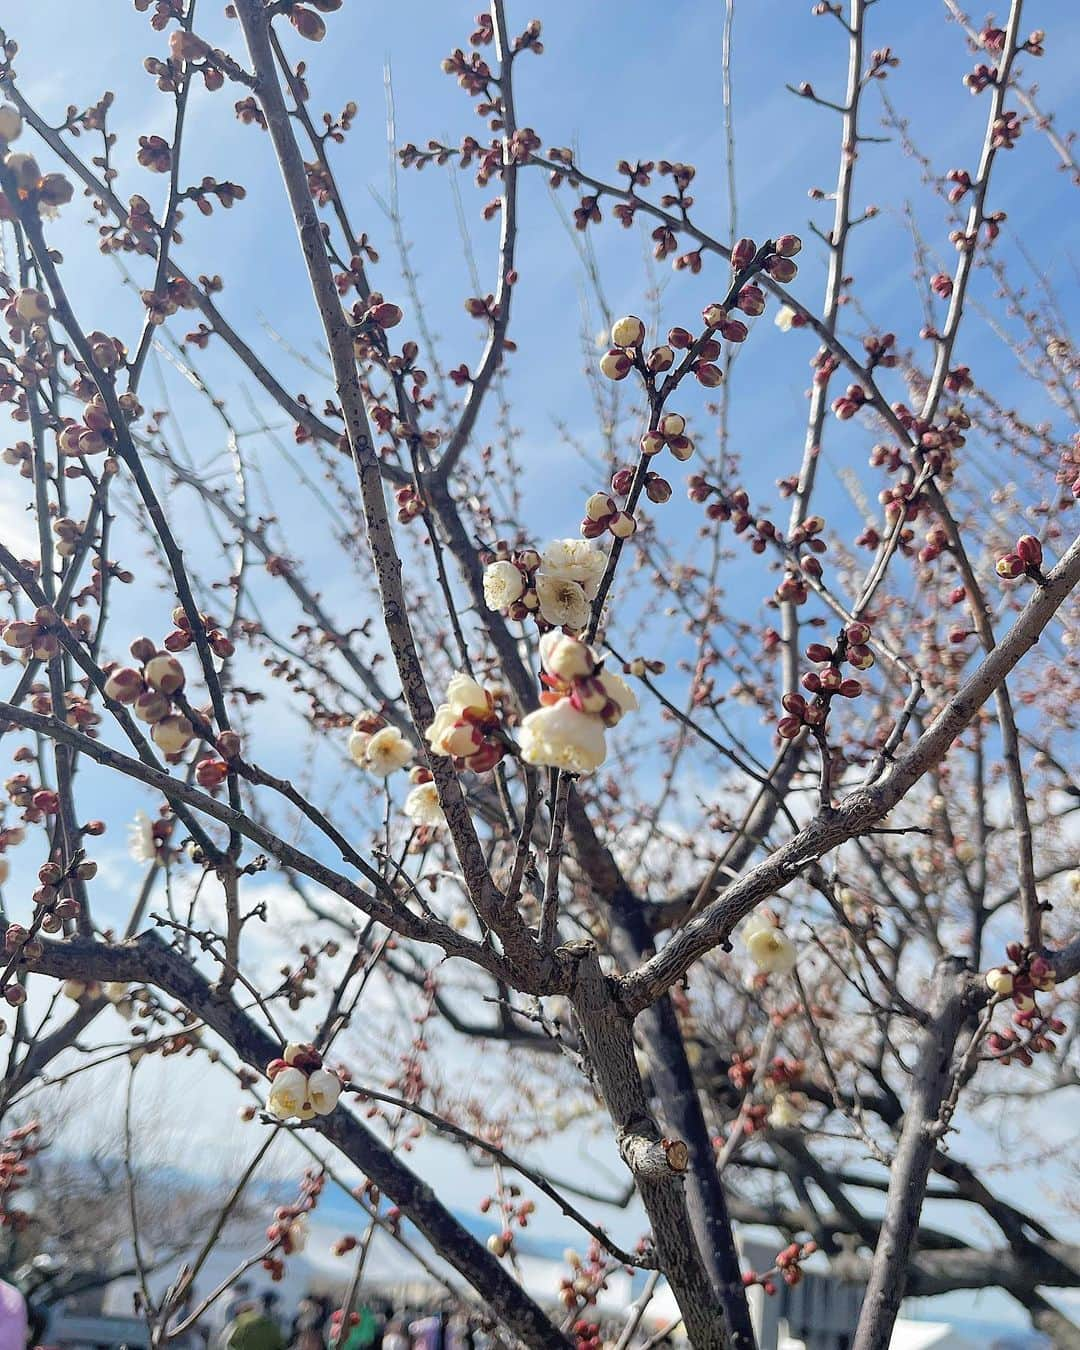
x,y
640,80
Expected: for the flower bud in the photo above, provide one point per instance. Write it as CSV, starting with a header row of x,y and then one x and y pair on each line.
x,y
787,245
32,305
599,506
165,674
708,374
850,688
228,744
623,525
857,633
660,359
999,982
862,658
211,773
682,447
143,649
1010,566
652,443
567,658
742,255
672,424
615,364
308,24
734,330
1029,550
150,706
781,269
714,315
818,652
10,123
173,734
680,338
621,481
386,315
628,332
657,489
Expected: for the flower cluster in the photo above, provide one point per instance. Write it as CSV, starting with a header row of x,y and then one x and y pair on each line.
x,y
768,946
17,1149
670,431
1027,975
787,1267
580,701
150,691
376,747
289,1231
46,192
467,727
299,1085
1024,561
829,681
35,638
557,585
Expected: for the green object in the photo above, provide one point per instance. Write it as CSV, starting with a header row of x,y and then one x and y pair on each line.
x,y
364,1333
253,1331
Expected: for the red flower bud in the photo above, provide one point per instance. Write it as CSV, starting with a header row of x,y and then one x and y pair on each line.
x,y
1029,550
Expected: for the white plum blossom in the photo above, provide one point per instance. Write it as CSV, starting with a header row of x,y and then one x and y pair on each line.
x,y
784,316
323,1090
562,738
503,584
466,726
289,1096
422,806
786,1110
142,846
574,560
770,949
384,752
563,602
358,744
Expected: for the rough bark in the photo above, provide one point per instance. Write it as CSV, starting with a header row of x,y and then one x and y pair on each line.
x,y
914,1158
608,1037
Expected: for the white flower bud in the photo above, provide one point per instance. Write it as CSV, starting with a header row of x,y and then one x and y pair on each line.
x,y
999,982
173,734
164,673
32,305
10,123
628,332
565,657
616,365
672,424
503,584
598,506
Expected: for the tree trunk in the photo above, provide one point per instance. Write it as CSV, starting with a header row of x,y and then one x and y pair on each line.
x,y
658,1165
914,1155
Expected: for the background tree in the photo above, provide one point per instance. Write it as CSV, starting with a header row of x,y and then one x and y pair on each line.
x,y
787,910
